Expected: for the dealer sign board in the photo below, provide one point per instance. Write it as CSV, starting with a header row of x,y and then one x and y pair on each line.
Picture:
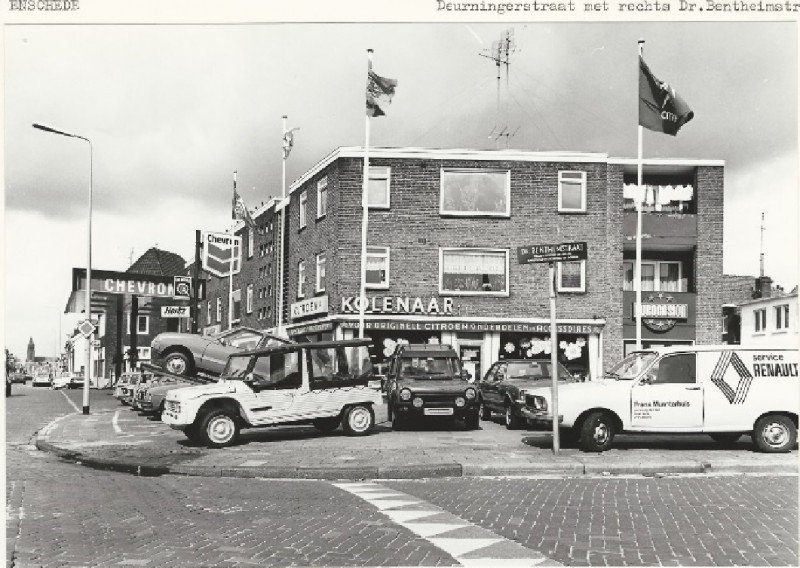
x,y
309,307
174,311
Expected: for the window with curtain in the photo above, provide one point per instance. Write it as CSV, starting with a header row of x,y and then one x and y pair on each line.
x,y
377,267
378,187
474,271
571,276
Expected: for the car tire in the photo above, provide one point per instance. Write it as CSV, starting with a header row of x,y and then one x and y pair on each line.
x,y
160,411
219,428
472,420
485,412
399,422
597,432
359,420
179,363
775,433
390,411
513,421
725,438
327,425
192,433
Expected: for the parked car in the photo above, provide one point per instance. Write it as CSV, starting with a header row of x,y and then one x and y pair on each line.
x,y
505,384
138,386
151,398
61,380
18,378
75,381
188,354
122,387
41,379
325,383
427,380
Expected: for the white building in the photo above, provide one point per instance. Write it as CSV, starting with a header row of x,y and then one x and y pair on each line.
x,y
771,322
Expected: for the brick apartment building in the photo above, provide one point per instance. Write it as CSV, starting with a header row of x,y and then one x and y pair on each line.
x,y
443,232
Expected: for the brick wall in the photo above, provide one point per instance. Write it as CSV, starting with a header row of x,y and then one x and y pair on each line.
x,y
708,260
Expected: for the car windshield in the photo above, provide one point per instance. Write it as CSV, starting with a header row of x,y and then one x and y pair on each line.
x,y
536,370
236,368
429,367
632,365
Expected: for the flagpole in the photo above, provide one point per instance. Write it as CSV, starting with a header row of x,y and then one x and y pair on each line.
x,y
230,269
639,202
279,288
362,304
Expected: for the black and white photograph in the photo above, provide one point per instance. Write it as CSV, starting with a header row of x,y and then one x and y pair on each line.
x,y
460,285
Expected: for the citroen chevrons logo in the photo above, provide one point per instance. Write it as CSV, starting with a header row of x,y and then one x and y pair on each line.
x,y
730,358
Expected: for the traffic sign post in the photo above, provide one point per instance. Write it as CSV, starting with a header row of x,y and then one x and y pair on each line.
x,y
551,254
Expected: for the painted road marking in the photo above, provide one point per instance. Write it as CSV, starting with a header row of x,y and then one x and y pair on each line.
x,y
70,401
470,545
115,423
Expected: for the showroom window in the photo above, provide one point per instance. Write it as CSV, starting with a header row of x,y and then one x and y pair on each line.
x,y
303,201
378,188
377,267
656,277
571,276
321,266
571,192
301,278
322,197
473,272
475,192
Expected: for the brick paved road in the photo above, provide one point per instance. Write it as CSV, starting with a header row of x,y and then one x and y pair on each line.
x,y
668,521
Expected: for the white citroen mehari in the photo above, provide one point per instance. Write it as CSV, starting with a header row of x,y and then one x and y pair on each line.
x,y
724,391
325,383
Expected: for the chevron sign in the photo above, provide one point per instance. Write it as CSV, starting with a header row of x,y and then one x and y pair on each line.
x,y
217,251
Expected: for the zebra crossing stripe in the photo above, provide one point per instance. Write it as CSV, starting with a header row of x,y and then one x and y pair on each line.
x,y
468,544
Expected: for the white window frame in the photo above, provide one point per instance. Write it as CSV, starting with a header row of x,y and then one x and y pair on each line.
x,y
234,295
322,188
760,320
385,253
656,264
444,250
219,310
381,173
581,289
249,298
251,242
303,206
208,312
443,174
561,179
321,261
140,318
301,279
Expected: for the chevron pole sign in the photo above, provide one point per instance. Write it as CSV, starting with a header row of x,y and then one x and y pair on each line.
x,y
217,251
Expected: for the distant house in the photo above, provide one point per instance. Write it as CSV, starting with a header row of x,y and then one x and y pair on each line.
x,y
770,321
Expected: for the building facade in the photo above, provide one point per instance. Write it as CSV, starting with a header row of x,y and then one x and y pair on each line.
x,y
770,321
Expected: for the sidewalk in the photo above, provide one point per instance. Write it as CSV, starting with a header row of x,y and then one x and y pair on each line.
x,y
115,437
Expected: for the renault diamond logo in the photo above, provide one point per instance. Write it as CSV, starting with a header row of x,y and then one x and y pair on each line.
x,y
731,359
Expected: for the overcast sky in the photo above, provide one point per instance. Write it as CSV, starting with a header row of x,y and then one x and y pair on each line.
x,y
172,111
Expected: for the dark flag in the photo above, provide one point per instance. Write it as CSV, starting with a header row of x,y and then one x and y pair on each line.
x,y
379,93
661,109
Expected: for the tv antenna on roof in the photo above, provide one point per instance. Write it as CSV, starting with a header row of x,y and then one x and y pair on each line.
x,y
500,53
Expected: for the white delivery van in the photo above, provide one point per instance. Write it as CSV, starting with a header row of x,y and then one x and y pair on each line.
x,y
724,391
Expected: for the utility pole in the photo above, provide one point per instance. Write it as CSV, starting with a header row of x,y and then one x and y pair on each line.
x,y
761,256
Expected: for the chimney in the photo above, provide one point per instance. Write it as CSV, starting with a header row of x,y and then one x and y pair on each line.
x,y
763,287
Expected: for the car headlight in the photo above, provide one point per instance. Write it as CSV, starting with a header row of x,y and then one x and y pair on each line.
x,y
460,401
470,394
539,403
417,402
405,394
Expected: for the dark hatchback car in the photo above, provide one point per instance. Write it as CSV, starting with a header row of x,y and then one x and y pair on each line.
x,y
505,384
426,380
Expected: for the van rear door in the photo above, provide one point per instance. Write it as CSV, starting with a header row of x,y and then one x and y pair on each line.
x,y
669,397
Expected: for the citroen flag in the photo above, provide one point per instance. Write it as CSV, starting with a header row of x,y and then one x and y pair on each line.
x,y
217,251
379,93
661,109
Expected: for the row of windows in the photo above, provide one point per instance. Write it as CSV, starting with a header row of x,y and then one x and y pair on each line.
x,y
781,318
657,276
463,192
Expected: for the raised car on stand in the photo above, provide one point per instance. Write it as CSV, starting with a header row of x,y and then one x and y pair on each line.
x,y
189,354
425,381
505,384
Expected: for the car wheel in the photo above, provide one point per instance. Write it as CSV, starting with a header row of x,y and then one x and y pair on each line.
x,y
725,438
389,411
472,420
160,411
359,420
327,425
192,433
513,421
178,363
485,413
219,428
597,432
775,433
400,422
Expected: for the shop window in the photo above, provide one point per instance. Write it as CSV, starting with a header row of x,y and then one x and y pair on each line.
x,y
249,298
237,305
656,277
476,272
301,279
571,276
321,267
303,202
378,187
572,192
377,267
475,192
322,197
761,319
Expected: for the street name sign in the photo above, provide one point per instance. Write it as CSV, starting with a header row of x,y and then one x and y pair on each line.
x,y
564,252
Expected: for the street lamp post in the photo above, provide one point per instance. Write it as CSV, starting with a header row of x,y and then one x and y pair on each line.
x,y
88,375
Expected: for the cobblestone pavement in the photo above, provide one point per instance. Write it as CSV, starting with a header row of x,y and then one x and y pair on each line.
x,y
632,521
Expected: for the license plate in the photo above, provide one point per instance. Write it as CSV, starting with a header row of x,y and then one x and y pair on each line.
x,y
438,412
